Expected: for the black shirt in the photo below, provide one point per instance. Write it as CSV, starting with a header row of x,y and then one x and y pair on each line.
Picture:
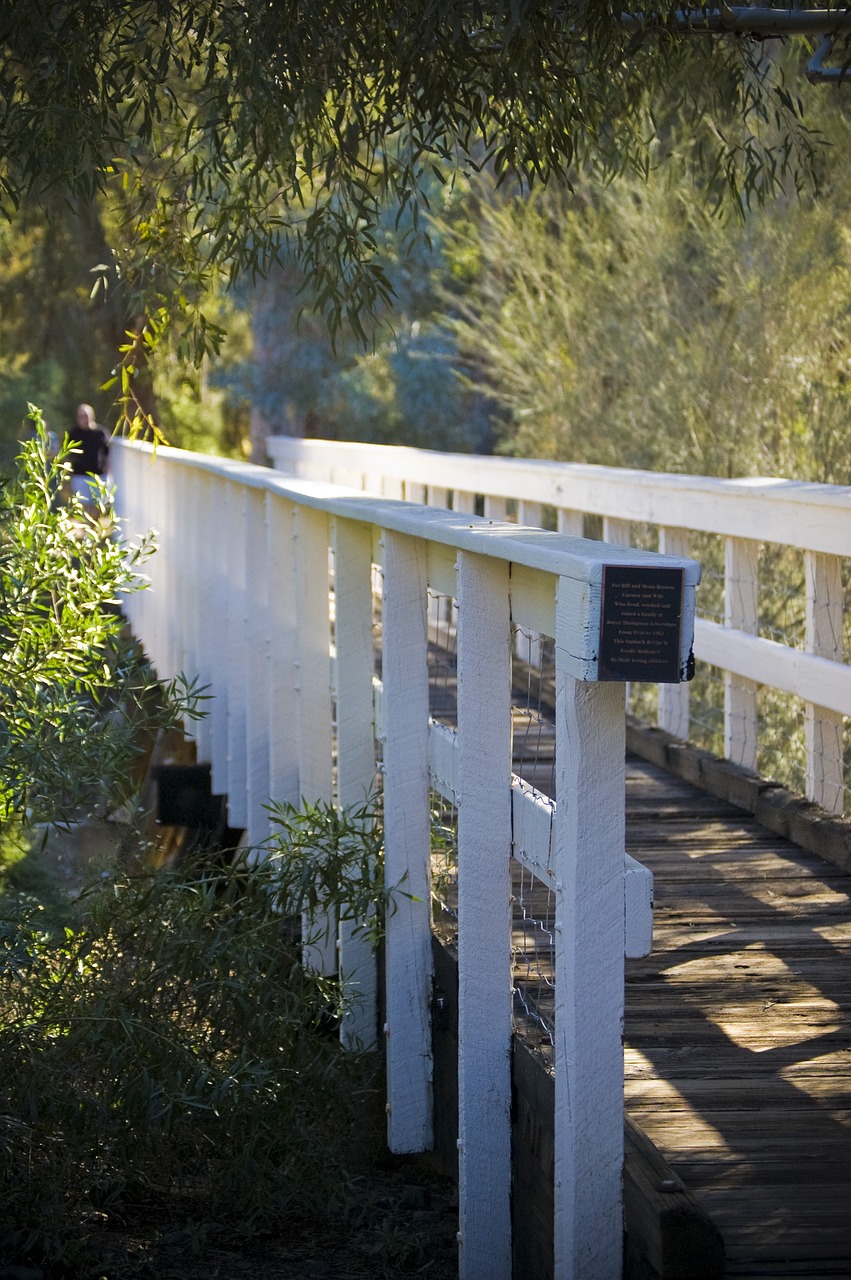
x,y
93,443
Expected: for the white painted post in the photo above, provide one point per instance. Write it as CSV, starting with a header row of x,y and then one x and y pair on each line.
x,y
407,841
462,502
177,569
356,765
237,604
392,487
183,516
284,780
530,513
495,508
313,702
256,671
824,729
484,918
528,643
158,571
220,604
674,698
589,968
570,522
415,492
741,587
617,531
190,587
438,496
206,621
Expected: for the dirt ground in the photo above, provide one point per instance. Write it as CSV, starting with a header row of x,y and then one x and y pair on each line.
x,y
405,1225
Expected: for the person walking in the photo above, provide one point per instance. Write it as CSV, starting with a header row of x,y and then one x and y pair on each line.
x,y
89,457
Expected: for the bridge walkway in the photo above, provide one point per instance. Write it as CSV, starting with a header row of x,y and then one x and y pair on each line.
x,y
738,1027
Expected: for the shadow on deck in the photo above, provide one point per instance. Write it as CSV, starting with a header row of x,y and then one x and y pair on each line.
x,y
738,1027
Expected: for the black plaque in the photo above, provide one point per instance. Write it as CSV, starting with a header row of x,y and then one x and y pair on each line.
x,y
641,624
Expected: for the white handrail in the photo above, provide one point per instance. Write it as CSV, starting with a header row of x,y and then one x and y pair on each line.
x,y
746,513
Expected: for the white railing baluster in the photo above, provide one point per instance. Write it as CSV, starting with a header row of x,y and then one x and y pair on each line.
x,y
313,698
356,775
571,523
528,644
495,507
617,531
205,616
172,521
407,838
234,621
218,639
530,513
589,972
158,569
741,591
674,698
824,729
484,918
284,780
313,649
256,669
190,657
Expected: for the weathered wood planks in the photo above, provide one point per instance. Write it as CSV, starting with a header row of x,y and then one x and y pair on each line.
x,y
738,1028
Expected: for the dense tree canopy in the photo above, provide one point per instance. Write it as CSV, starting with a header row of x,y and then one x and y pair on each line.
x,y
624,325
227,131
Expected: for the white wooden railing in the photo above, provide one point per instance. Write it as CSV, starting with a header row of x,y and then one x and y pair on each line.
x,y
263,587
746,514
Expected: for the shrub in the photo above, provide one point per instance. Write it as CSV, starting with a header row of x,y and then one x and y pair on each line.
x,y
169,1046
77,696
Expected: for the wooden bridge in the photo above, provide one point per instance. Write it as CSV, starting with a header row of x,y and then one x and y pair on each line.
x,y
335,626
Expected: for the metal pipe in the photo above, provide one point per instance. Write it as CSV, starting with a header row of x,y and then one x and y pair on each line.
x,y
817,73
761,21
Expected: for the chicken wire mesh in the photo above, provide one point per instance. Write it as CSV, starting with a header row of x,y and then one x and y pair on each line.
x,y
533,737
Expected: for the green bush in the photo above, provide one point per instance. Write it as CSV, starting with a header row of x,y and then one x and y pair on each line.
x,y
168,1048
78,699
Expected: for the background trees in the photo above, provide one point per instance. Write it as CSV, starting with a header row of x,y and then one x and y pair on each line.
x,y
626,325
220,136
204,145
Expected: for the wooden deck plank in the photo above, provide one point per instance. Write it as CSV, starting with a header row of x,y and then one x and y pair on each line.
x,y
738,1028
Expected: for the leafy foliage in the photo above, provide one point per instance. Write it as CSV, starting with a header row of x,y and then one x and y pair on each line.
x,y
228,131
77,697
626,326
402,388
330,867
167,1052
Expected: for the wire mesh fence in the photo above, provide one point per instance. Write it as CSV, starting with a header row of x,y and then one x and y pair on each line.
x,y
533,736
